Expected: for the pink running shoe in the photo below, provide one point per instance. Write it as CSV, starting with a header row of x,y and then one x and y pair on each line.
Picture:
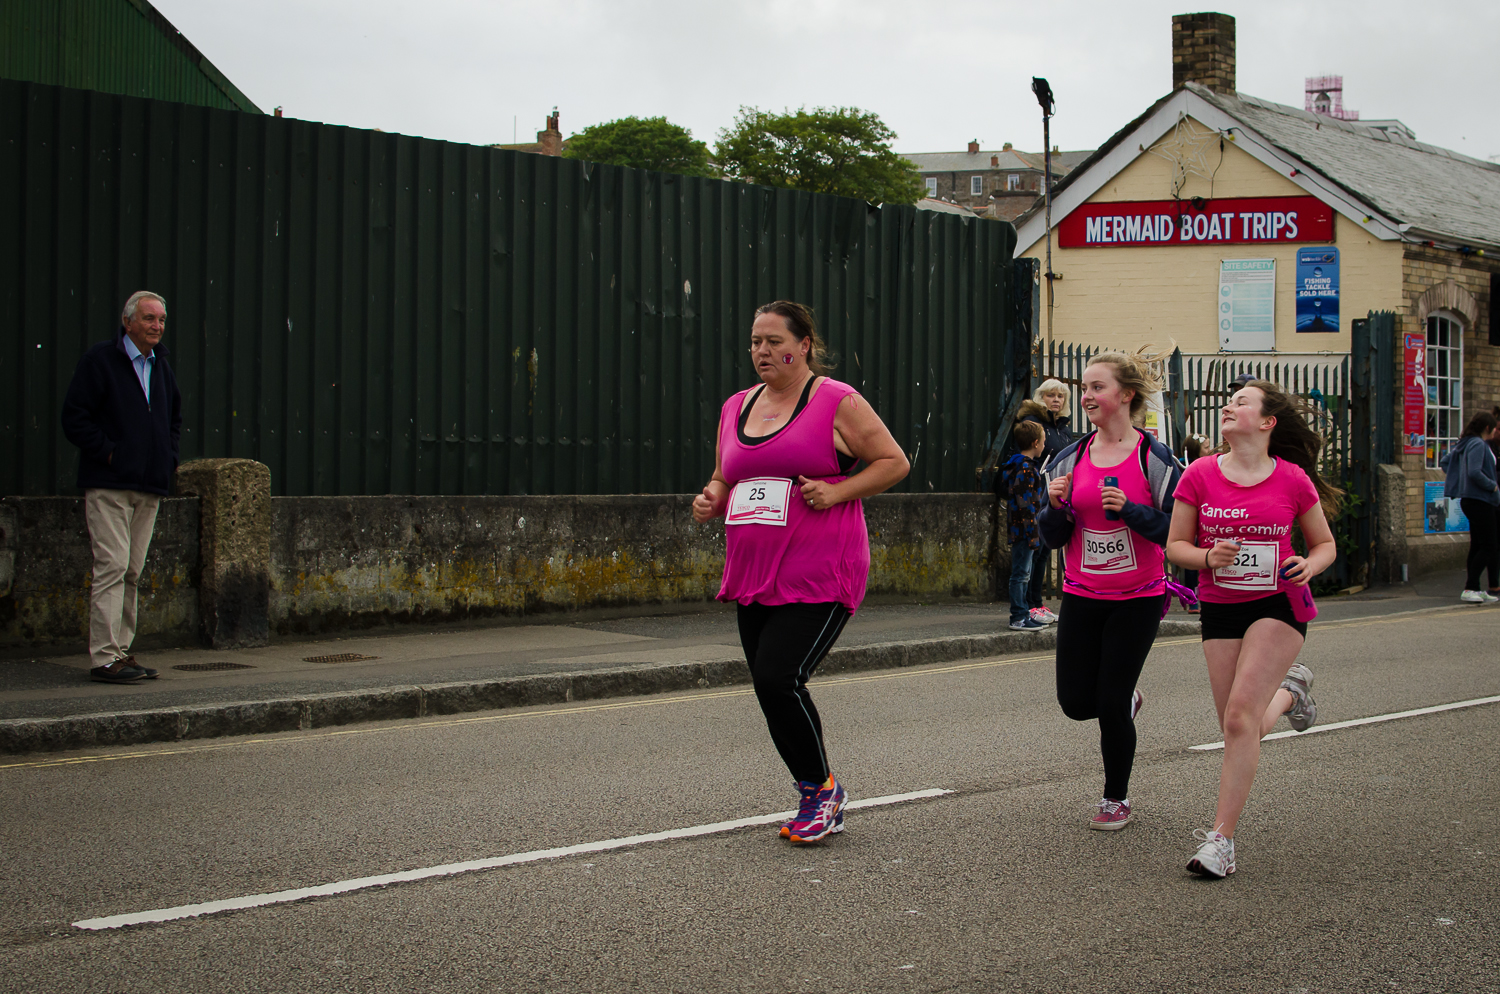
x,y
821,814
807,790
1111,815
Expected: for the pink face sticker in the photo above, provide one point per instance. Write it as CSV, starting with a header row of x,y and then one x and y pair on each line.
x,y
787,359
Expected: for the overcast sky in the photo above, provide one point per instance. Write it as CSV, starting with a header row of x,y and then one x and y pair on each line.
x,y
938,74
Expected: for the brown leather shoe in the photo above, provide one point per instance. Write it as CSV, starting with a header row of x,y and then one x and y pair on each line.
x,y
147,673
119,671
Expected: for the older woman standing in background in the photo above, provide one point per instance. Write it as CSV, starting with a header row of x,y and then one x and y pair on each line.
x,y
1045,408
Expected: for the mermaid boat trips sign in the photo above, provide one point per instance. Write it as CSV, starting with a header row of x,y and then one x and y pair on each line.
x,y
1237,221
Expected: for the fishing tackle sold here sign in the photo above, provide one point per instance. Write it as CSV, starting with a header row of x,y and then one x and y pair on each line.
x,y
1237,221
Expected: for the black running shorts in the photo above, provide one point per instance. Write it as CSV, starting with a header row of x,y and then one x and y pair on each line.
x,y
1231,621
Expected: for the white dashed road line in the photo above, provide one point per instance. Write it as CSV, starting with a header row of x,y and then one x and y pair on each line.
x,y
470,866
1374,719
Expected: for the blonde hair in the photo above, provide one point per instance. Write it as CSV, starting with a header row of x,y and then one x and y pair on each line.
x,y
1052,386
1134,371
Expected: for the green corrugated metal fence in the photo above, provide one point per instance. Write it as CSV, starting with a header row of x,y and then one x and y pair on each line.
x,y
372,313
114,46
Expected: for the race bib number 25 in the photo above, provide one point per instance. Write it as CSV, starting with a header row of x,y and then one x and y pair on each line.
x,y
759,502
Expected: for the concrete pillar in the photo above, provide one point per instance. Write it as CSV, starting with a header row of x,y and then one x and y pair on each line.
x,y
234,549
1390,510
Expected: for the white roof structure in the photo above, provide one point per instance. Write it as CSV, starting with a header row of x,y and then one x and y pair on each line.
x,y
1397,188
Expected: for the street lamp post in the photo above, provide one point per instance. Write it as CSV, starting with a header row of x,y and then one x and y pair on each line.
x,y
1043,93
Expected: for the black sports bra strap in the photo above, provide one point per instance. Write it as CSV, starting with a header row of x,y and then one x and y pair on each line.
x,y
745,414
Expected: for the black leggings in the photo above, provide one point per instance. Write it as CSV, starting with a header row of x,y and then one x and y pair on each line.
x,y
1101,649
783,644
1483,552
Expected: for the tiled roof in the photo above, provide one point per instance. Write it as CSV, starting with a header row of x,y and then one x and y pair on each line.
x,y
1436,191
942,207
950,162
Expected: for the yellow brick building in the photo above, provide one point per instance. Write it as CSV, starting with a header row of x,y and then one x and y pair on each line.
x,y
1140,256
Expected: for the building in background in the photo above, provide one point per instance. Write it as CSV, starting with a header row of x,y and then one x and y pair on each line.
x,y
549,141
1227,224
999,184
113,46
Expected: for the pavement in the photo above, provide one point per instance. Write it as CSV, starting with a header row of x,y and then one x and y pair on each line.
x,y
49,703
629,845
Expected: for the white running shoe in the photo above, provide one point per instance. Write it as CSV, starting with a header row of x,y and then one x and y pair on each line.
x,y
1303,713
1215,857
1489,598
1044,615
1477,597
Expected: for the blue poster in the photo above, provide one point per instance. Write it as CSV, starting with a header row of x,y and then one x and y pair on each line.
x,y
1440,514
1318,289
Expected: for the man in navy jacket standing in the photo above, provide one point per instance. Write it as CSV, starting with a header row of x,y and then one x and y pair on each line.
x,y
124,413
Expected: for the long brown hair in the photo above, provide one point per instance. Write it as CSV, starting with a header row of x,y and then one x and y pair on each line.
x,y
1294,440
799,321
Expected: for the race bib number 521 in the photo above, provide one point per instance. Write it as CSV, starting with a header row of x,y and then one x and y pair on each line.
x,y
1254,568
759,502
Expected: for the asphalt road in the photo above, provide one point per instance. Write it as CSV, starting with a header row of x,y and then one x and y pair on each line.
x,y
1366,855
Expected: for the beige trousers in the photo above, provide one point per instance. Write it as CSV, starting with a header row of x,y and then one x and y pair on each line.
x,y
120,524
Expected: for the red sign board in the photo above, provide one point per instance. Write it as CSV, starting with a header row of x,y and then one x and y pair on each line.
x,y
1239,221
1414,382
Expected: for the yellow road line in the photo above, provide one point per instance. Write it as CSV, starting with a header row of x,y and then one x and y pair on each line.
x,y
284,738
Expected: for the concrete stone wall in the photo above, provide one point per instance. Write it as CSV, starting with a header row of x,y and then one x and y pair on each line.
x,y
47,603
355,562
340,563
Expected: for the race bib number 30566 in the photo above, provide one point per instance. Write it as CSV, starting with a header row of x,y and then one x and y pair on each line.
x,y
759,502
1108,552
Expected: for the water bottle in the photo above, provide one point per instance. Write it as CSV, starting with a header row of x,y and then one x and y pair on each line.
x,y
1303,608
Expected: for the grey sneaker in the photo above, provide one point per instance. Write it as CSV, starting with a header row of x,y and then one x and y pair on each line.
x,y
1304,710
1215,855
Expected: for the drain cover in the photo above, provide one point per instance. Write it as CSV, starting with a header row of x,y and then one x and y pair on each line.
x,y
339,657
220,665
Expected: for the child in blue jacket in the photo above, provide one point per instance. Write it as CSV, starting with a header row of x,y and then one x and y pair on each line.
x,y
1025,493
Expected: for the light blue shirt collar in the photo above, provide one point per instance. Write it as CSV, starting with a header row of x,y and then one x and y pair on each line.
x,y
142,364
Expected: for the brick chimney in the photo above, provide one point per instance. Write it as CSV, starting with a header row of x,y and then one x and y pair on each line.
x,y
974,147
551,139
1203,51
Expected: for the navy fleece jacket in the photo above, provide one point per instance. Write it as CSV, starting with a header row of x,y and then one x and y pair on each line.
x,y
123,442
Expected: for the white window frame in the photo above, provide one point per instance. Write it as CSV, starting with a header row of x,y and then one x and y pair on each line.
x,y
976,185
1445,384
932,186
1013,181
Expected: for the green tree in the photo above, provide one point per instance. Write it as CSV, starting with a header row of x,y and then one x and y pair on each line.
x,y
841,150
642,142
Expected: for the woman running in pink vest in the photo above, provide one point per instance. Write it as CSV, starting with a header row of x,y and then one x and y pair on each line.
x,y
797,555
1233,523
1109,505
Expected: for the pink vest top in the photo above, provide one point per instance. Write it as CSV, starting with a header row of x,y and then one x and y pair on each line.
x,y
816,557
1105,559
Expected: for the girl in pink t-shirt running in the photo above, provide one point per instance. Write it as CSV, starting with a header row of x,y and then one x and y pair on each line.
x,y
1233,522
